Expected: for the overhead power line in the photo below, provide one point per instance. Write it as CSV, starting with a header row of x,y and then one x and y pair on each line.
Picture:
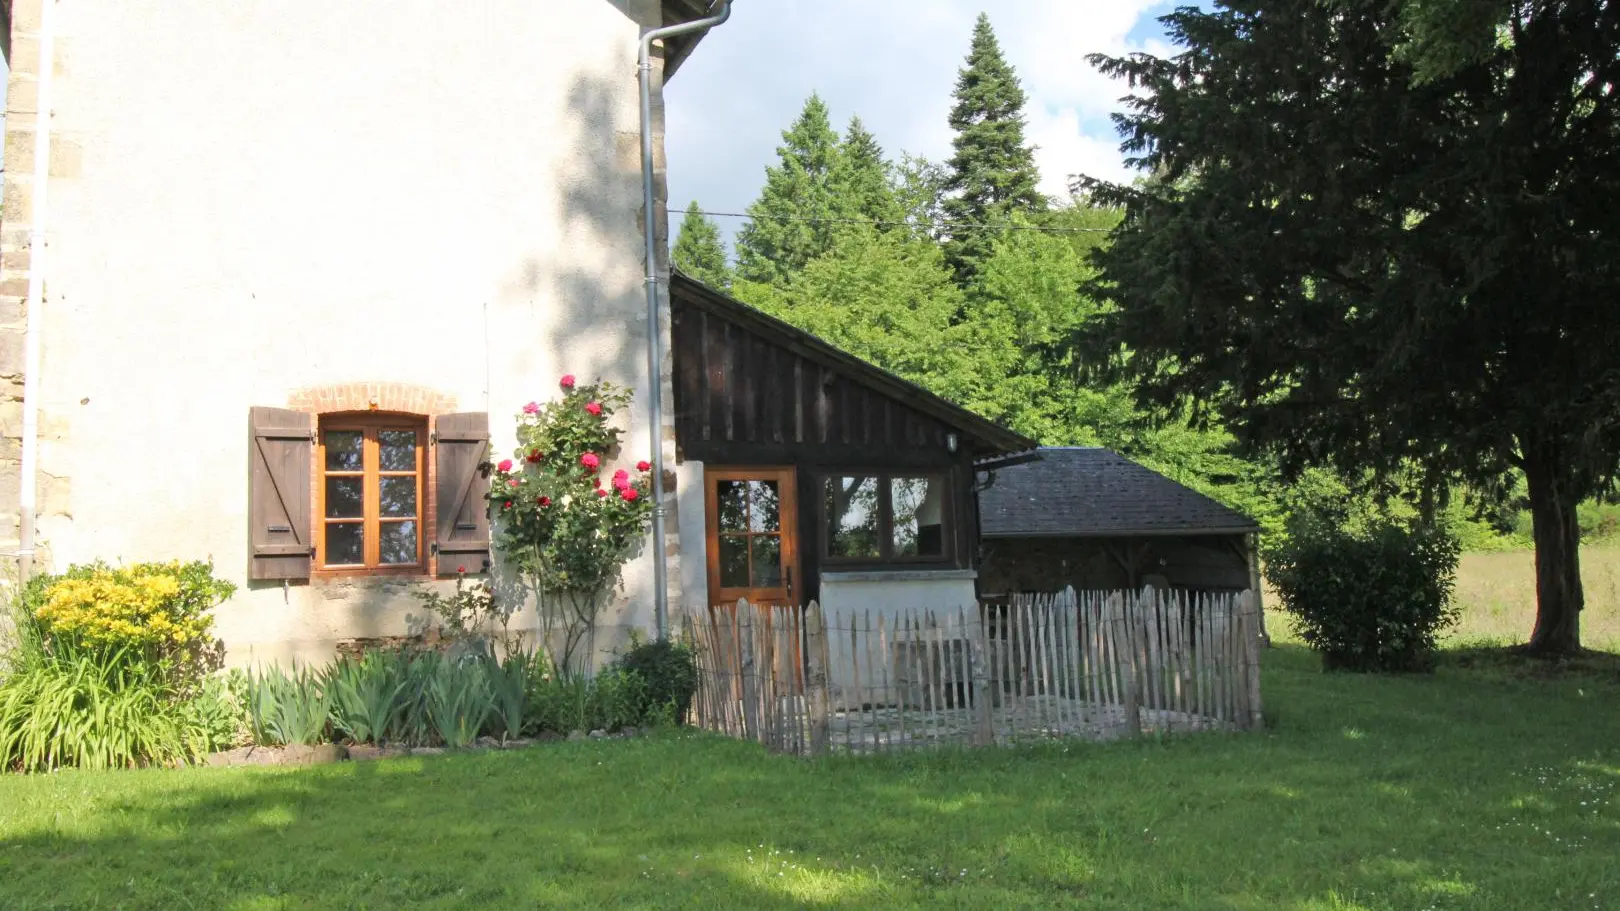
x,y
941,225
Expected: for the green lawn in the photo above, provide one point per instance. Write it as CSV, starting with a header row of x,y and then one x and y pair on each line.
x,y
1478,788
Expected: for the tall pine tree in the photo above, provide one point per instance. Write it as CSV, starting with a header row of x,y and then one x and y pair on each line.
x,y
791,221
698,251
992,173
860,180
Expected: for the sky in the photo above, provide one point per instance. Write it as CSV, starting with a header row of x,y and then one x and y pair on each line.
x,y
893,63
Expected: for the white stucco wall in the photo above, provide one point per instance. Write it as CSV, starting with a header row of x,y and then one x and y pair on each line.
x,y
693,536
277,195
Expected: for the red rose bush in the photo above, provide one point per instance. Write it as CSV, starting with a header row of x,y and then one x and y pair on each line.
x,y
555,522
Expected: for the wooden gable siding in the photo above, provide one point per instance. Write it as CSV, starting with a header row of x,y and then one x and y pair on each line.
x,y
742,397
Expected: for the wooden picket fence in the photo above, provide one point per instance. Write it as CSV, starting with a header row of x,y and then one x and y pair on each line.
x,y
1097,665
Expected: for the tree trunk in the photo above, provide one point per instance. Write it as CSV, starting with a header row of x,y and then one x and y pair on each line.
x,y
1559,598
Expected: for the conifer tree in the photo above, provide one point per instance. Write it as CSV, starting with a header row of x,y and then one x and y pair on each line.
x,y
860,180
992,173
698,250
791,222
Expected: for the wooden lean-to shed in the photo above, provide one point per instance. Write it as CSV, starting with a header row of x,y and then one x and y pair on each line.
x,y
811,474
1092,519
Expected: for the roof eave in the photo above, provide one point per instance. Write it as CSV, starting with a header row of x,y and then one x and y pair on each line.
x,y
680,47
991,438
1204,532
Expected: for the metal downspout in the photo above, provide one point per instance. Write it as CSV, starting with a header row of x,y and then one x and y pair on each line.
x,y
655,359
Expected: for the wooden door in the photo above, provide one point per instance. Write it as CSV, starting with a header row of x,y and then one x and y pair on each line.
x,y
753,542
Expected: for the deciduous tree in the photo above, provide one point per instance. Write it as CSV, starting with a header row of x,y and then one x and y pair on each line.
x,y
1356,263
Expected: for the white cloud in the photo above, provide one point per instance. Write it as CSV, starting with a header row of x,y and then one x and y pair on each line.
x,y
894,63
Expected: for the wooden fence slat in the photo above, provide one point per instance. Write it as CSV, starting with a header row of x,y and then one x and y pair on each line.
x,y
963,686
1223,639
1026,616
1049,663
1201,644
745,669
1180,631
886,658
872,681
1054,651
1100,670
933,668
1257,719
1151,606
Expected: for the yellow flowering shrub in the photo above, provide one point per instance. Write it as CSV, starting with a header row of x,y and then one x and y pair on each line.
x,y
156,611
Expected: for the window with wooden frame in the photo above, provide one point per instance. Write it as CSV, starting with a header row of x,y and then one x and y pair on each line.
x,y
885,518
372,493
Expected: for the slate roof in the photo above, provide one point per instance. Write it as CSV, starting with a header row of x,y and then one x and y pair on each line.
x,y
1092,492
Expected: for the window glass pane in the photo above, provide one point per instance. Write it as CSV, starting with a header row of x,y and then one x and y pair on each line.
x,y
734,561
396,450
343,450
764,506
767,561
398,496
343,498
345,543
732,497
919,516
397,542
852,517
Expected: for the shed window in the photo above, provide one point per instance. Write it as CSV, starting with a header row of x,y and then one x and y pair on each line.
x,y
885,517
371,493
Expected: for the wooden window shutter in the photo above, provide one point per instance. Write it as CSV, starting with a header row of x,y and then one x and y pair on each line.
x,y
461,478
279,457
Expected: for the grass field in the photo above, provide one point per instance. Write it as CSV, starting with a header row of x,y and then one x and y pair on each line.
x,y
1497,593
1480,787
1494,784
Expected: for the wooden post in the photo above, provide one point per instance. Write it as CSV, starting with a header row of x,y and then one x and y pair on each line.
x,y
984,731
815,637
1253,630
747,672
1257,585
1126,655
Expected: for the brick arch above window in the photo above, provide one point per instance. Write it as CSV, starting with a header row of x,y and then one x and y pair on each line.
x,y
402,398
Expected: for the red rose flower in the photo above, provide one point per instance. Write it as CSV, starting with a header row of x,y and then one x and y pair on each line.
x,y
507,505
600,492
513,483
461,569
567,382
620,474
643,465
506,465
589,460
629,493
532,408
620,483
593,408
544,501
535,456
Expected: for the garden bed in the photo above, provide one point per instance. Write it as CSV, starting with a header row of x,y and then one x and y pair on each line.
x,y
328,753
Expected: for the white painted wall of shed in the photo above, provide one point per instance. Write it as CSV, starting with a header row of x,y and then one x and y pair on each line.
x,y
868,596
279,195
